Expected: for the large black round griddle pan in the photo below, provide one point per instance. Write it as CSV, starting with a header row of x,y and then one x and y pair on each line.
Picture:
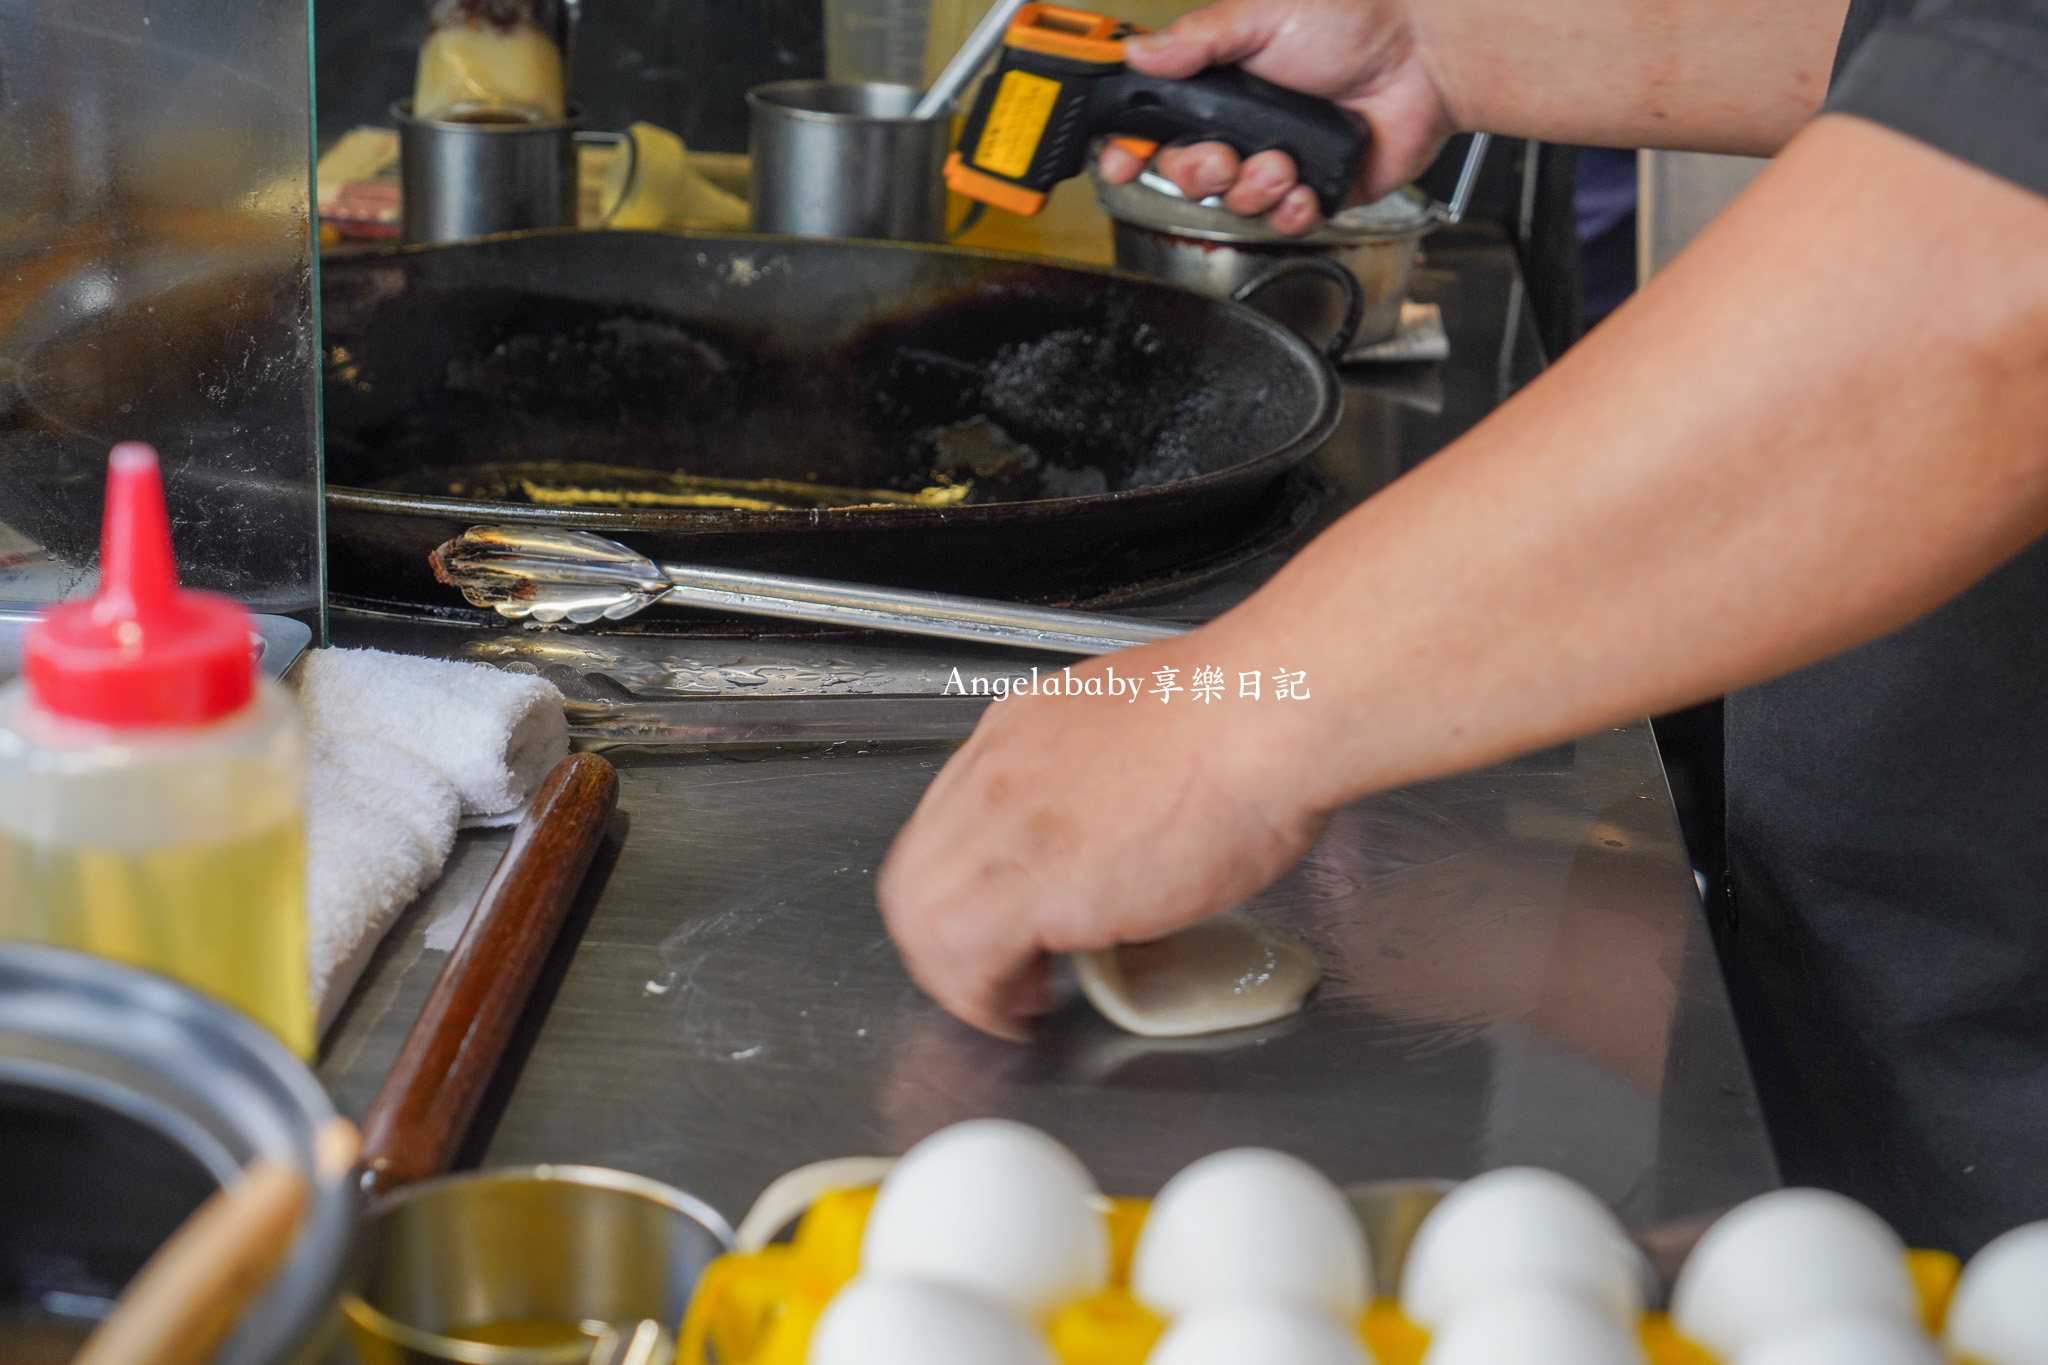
x,y
1080,427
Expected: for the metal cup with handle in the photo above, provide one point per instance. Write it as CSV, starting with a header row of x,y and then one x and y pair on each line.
x,y
542,1265
475,175
840,159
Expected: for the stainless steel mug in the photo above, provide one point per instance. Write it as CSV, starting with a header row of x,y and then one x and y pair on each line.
x,y
462,178
833,159
525,1266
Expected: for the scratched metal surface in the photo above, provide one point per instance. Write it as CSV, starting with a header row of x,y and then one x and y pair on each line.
x,y
1517,969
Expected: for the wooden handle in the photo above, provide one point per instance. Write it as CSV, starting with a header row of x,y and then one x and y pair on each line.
x,y
425,1105
180,1307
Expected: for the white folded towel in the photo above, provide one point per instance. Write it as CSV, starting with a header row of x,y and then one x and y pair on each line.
x,y
402,751
493,734
380,823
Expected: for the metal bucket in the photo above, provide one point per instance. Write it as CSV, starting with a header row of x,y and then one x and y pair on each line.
x,y
125,1100
1216,252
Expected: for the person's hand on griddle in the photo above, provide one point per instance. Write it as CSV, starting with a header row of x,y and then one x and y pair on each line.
x,y
1366,55
1070,823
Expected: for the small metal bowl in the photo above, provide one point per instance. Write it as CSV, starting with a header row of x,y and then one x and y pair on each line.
x,y
536,1246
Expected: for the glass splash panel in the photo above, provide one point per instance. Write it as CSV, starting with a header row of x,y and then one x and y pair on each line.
x,y
157,283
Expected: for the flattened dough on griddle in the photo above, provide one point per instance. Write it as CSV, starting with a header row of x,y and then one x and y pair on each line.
x,y
1229,972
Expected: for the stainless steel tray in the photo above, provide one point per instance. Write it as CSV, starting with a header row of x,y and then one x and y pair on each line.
x,y
1517,970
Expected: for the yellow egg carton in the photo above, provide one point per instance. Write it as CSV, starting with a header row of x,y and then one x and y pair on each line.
x,y
758,1308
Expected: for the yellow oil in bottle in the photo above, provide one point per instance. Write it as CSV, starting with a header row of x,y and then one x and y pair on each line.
x,y
152,787
227,919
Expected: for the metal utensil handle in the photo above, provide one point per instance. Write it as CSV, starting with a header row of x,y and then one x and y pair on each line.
x,y
1468,180
626,143
568,19
423,1110
637,1343
1354,296
986,38
909,612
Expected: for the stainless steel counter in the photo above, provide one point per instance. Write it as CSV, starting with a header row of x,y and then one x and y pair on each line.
x,y
1517,969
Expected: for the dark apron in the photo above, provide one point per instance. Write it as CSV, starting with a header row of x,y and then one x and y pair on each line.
x,y
1888,834
1888,839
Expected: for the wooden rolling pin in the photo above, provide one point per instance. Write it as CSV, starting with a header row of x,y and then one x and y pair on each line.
x,y
423,1110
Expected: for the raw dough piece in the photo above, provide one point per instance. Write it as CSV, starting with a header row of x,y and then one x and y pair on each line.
x,y
1229,972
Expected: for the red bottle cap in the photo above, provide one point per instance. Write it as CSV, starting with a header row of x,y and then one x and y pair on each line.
x,y
141,653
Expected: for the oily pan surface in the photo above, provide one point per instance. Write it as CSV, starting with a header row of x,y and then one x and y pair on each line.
x,y
641,371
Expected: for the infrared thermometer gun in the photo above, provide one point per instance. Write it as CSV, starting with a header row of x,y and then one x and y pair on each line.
x,y
1062,83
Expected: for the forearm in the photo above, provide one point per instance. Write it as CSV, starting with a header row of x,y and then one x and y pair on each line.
x,y
1826,418
1710,75
1705,75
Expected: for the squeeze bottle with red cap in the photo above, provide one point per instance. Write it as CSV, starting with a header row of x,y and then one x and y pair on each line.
x,y
151,785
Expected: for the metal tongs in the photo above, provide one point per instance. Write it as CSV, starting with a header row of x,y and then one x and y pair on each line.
x,y
574,576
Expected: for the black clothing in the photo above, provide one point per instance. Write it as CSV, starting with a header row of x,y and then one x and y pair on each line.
x,y
1967,76
1863,18
1888,809
1888,830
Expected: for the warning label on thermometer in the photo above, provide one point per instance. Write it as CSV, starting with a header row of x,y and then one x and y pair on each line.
x,y
1016,124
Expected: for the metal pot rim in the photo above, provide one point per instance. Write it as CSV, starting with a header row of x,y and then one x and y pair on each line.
x,y
764,96
562,1173
1135,205
572,118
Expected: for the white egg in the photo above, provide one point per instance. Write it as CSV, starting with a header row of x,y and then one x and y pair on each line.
x,y
1999,1315
1519,1228
903,1322
995,1208
1787,1258
1258,1333
1537,1325
1853,1340
1251,1224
